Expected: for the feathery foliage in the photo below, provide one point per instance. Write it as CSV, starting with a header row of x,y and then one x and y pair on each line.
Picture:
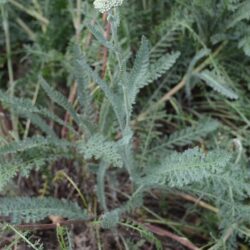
x,y
211,80
188,134
134,117
180,169
26,209
99,148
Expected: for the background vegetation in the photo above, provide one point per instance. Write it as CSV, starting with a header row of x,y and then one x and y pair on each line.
x,y
193,108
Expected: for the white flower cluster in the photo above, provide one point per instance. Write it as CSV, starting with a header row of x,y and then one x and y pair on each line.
x,y
106,5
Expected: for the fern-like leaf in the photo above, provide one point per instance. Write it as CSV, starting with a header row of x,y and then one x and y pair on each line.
x,y
99,148
244,43
103,85
170,30
99,36
29,143
139,73
39,122
144,232
59,99
25,108
161,66
8,170
215,82
179,169
111,218
18,104
188,135
243,12
84,95
113,98
24,162
26,209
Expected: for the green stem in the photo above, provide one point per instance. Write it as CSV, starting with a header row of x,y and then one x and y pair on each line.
x,y
27,126
116,40
33,13
9,65
125,128
101,186
62,173
23,237
26,28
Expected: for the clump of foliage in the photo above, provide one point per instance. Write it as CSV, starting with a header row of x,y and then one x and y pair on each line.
x,y
200,47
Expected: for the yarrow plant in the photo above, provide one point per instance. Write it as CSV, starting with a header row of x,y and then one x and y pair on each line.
x,y
102,133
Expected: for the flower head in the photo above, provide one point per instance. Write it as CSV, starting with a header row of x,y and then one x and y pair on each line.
x,y
106,5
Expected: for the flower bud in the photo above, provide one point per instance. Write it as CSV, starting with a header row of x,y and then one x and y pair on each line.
x,y
106,5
